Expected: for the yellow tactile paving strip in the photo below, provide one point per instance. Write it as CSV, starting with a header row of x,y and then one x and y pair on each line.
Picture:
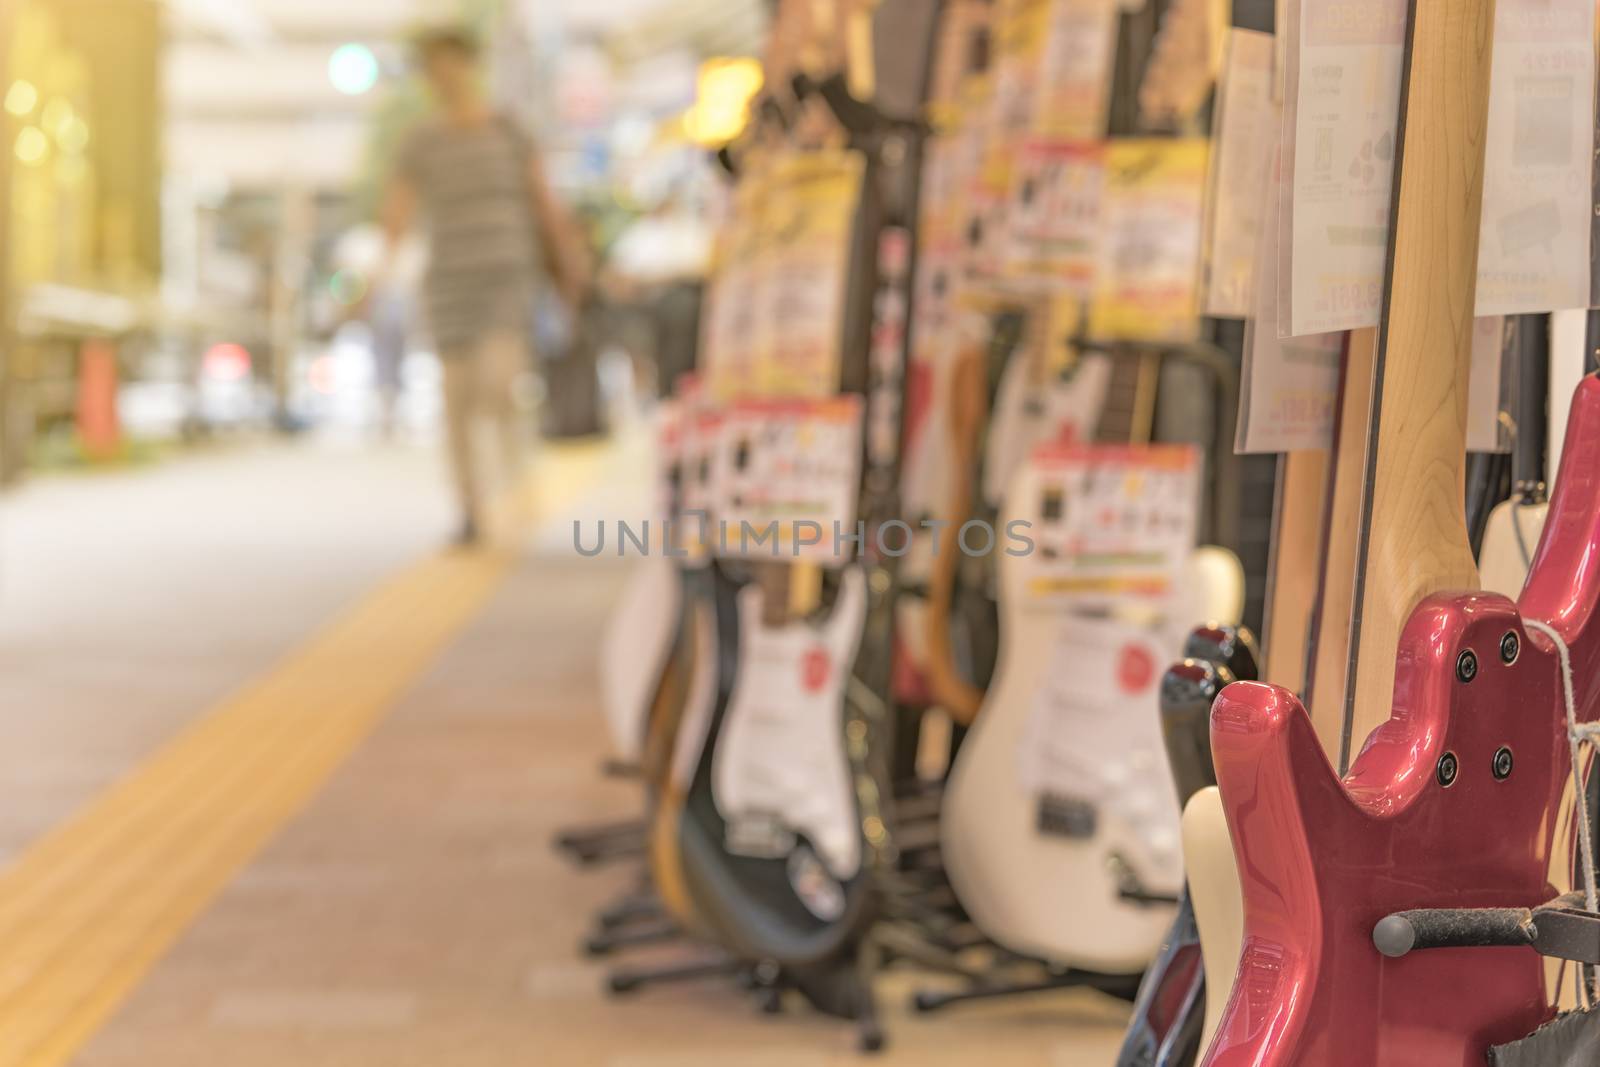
x,y
89,908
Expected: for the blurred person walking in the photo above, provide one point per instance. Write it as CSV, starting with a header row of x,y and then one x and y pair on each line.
x,y
495,233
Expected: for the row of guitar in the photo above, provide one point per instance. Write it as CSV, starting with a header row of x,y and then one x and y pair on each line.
x,y
1114,817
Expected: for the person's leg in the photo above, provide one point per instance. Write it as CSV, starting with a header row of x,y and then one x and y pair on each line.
x,y
460,390
505,359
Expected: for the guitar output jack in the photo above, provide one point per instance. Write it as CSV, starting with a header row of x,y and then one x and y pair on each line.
x,y
1502,764
1467,665
1448,768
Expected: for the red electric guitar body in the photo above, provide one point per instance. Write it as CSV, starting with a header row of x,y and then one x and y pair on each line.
x,y
1322,860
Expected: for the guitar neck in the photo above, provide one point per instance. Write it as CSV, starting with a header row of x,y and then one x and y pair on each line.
x,y
1296,536
1413,537
1330,636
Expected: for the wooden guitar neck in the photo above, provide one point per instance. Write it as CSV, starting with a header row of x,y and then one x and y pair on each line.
x,y
1413,539
1297,532
1326,681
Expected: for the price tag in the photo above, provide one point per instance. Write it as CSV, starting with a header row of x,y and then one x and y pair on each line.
x,y
1110,526
789,479
1055,216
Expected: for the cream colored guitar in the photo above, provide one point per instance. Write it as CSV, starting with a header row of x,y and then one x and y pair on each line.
x,y
1057,814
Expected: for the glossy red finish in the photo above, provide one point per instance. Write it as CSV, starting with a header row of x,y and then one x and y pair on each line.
x,y
1321,860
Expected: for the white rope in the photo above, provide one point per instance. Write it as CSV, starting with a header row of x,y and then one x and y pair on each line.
x,y
1578,734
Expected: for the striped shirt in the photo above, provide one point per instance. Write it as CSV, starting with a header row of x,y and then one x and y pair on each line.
x,y
472,182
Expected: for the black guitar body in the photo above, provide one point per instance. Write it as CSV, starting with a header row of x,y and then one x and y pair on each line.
x,y
1169,1014
752,903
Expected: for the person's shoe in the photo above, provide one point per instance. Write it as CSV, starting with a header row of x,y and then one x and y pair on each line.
x,y
466,535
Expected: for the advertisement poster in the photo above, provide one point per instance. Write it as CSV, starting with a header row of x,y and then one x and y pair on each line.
x,y
1245,133
1150,240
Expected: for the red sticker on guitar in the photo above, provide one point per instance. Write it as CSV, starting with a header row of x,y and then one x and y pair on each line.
x,y
1136,669
814,669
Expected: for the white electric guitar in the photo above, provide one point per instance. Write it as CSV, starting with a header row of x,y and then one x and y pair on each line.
x,y
638,637
780,776
1060,810
634,649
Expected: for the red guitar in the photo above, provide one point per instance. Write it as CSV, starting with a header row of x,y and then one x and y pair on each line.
x,y
1451,804
1370,898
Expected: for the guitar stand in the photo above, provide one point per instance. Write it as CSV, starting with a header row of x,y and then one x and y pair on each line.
x,y
1561,929
585,841
622,982
634,907
609,941
1122,986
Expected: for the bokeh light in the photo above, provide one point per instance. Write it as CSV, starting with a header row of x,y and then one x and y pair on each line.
x,y
353,69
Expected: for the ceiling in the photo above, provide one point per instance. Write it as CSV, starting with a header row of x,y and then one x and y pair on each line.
x,y
249,99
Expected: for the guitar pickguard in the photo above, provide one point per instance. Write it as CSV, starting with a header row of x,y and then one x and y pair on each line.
x,y
781,754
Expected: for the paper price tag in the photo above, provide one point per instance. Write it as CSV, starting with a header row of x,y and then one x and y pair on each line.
x,y
789,479
1110,526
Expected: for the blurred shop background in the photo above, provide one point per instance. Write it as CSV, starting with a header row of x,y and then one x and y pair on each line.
x,y
193,186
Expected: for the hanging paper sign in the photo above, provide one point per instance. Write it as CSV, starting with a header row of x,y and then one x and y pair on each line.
x,y
699,466
1289,385
1075,70
1342,90
805,272
1533,250
1112,525
1245,135
1055,216
1150,243
1020,34
790,476
734,331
